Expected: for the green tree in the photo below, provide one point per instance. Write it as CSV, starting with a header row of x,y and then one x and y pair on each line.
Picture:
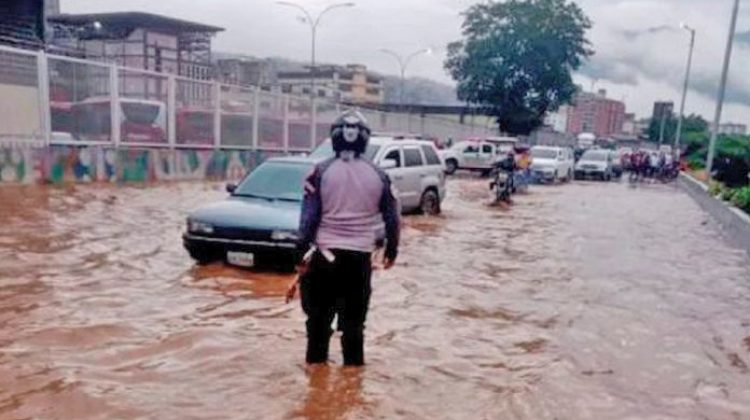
x,y
693,126
517,57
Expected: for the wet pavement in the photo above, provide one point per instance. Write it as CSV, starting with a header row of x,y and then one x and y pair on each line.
x,y
582,301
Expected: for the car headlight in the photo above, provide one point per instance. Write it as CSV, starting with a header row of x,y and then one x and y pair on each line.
x,y
195,226
284,235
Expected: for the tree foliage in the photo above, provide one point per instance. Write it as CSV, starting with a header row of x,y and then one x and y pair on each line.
x,y
692,126
517,57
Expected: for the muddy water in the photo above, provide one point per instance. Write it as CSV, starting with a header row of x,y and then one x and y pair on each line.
x,y
585,301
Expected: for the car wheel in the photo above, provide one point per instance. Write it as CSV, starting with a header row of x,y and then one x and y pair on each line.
x,y
430,203
451,166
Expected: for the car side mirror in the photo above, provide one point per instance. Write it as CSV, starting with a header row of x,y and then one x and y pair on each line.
x,y
388,164
231,188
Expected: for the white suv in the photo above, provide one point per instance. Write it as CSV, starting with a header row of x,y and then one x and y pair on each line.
x,y
552,164
414,166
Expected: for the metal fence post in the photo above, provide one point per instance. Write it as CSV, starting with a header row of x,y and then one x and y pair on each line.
x,y
45,112
217,115
256,117
172,110
114,93
285,129
313,123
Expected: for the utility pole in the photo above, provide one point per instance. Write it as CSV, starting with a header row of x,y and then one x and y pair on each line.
x,y
722,90
403,64
678,134
314,28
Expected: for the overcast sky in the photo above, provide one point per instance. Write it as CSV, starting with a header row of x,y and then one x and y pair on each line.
x,y
640,51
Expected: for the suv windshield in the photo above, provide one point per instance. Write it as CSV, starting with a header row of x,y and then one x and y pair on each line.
x,y
596,156
325,150
544,153
275,181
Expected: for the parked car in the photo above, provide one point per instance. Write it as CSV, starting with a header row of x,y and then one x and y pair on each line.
x,y
477,154
258,223
552,164
595,163
415,168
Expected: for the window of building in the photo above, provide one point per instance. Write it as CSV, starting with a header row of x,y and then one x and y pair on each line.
x,y
306,91
321,93
412,157
286,88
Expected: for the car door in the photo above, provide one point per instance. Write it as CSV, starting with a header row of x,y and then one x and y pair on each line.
x,y
470,155
414,173
487,155
397,174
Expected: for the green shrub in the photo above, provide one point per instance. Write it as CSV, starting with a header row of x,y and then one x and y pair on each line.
x,y
741,198
727,194
716,188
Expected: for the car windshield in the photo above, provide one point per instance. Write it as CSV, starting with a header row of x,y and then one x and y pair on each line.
x,y
325,150
596,156
544,153
275,181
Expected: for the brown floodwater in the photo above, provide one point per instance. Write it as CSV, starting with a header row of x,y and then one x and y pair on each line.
x,y
582,301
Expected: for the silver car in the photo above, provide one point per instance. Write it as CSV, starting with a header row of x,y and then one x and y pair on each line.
x,y
414,166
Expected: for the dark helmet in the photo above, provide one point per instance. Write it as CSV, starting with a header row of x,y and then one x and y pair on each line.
x,y
350,120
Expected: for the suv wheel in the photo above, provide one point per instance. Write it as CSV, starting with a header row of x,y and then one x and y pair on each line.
x,y
430,203
451,166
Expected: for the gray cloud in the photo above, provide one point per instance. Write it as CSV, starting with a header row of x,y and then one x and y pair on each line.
x,y
605,69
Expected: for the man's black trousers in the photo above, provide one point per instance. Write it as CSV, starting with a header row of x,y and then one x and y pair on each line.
x,y
341,289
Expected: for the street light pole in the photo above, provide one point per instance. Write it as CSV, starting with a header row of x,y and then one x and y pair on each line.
x,y
678,135
403,64
722,90
314,29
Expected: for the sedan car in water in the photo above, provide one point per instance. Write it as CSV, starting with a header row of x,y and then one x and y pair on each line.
x,y
594,163
258,223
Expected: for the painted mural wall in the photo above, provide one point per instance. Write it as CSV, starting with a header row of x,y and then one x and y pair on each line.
x,y
28,164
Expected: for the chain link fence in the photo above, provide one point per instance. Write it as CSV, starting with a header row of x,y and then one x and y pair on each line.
x,y
62,100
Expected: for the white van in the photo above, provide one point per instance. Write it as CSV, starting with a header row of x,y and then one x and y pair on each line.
x,y
552,164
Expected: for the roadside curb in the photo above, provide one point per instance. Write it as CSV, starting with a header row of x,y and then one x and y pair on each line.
x,y
734,222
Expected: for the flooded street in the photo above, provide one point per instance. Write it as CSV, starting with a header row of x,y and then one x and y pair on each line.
x,y
583,301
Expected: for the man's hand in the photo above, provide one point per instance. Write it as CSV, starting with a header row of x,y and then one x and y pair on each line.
x,y
291,292
388,263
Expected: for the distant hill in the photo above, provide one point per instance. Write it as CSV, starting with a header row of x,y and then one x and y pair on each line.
x,y
420,91
417,90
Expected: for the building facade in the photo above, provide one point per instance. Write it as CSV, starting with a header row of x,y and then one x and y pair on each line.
x,y
558,120
244,72
22,24
732,129
662,110
140,41
351,83
596,114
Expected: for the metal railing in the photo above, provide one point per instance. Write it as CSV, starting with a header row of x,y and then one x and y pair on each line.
x,y
51,99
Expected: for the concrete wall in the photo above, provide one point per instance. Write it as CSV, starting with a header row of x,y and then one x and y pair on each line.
x,y
37,164
734,222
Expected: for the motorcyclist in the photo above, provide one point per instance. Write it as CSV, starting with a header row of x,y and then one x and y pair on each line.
x,y
507,165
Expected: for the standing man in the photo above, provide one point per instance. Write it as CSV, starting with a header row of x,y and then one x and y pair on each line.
x,y
348,205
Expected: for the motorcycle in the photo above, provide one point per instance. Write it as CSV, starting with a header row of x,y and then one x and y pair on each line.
x,y
503,180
